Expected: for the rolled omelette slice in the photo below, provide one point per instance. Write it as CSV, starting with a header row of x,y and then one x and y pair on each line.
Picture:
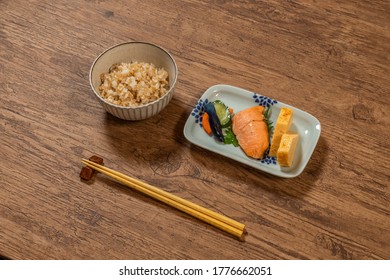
x,y
286,151
282,126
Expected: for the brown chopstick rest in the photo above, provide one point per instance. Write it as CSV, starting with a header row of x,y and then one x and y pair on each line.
x,y
96,159
87,173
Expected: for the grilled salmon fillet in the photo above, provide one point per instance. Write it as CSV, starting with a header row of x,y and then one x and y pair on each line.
x,y
251,131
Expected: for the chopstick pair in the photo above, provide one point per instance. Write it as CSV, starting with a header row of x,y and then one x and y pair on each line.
x,y
222,222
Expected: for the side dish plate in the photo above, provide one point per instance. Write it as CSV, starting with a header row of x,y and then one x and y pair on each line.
x,y
306,125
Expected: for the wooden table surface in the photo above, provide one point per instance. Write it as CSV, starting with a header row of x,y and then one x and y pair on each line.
x,y
328,58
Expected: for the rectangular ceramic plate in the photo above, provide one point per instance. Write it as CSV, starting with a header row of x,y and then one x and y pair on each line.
x,y
307,126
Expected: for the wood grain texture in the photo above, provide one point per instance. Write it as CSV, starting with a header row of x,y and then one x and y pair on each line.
x,y
329,58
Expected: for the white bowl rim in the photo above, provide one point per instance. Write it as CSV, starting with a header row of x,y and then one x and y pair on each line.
x,y
138,106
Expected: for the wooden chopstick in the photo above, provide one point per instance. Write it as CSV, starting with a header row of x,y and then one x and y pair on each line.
x,y
222,222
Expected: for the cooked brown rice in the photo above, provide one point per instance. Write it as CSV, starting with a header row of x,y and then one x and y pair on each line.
x,y
133,84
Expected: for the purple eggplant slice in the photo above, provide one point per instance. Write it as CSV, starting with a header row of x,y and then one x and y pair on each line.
x,y
215,124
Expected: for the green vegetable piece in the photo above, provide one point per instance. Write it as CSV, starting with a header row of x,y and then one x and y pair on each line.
x,y
269,123
223,113
229,137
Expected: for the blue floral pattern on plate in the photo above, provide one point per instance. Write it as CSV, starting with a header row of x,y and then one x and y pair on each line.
x,y
198,111
264,101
